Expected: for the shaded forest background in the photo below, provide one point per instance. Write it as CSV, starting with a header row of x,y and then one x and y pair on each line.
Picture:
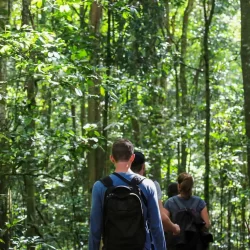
x,y
173,76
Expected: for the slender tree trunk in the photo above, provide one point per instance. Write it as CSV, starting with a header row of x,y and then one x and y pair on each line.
x,y
245,61
83,113
95,155
106,99
4,168
229,220
43,13
183,84
208,15
243,228
177,105
166,20
26,12
32,229
77,176
168,172
77,181
48,122
83,99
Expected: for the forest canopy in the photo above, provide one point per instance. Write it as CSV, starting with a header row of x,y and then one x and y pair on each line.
x,y
172,76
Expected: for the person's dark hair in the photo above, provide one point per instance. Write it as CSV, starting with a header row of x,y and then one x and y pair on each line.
x,y
186,183
172,189
139,160
122,150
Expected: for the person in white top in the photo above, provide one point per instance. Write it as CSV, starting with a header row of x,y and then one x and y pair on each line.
x,y
138,166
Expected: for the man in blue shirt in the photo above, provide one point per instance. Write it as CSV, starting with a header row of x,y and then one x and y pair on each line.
x,y
122,157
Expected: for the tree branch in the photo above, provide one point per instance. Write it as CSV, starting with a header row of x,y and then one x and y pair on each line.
x,y
34,175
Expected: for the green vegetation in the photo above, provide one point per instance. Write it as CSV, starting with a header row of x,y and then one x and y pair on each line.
x,y
75,75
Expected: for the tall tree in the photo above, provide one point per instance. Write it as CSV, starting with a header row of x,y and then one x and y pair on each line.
x,y
95,155
208,10
245,60
31,88
106,98
183,83
4,168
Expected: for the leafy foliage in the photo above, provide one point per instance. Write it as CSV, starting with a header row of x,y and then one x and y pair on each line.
x,y
134,58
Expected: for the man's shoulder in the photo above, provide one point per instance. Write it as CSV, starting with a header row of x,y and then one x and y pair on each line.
x,y
146,181
148,186
157,184
98,185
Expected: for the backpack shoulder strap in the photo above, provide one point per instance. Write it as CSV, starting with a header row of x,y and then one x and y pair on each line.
x,y
178,203
137,180
107,181
134,182
123,179
195,204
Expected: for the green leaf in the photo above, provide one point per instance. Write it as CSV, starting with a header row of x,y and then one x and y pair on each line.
x,y
64,8
97,133
39,3
102,91
78,92
66,157
82,53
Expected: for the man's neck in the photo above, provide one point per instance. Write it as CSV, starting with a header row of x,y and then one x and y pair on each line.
x,y
122,167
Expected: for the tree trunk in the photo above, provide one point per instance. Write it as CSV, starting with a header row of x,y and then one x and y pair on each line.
x,y
25,12
177,106
48,123
183,84
106,99
207,19
245,61
3,164
83,99
32,229
243,228
95,155
4,168
229,219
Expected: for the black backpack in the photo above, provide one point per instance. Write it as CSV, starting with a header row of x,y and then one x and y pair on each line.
x,y
192,235
123,220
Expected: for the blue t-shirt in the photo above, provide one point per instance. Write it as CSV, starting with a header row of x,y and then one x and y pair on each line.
x,y
172,207
151,212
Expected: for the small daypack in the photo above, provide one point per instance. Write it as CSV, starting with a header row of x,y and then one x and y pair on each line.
x,y
123,220
192,227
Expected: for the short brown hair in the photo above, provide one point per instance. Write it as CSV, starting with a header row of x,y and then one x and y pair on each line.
x,y
186,183
122,150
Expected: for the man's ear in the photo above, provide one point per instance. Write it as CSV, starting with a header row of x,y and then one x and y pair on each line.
x,y
112,159
143,166
132,157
